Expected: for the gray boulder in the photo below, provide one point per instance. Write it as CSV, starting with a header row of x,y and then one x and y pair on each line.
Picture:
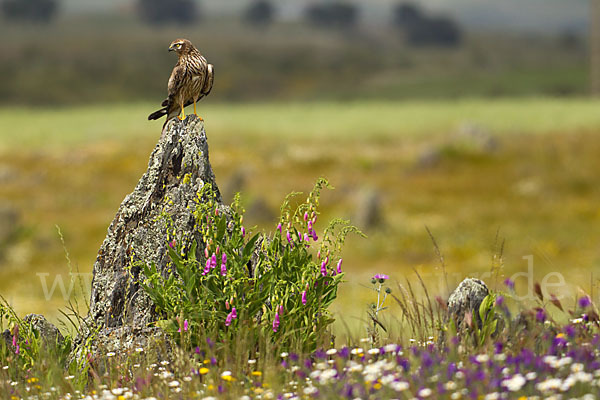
x,y
467,297
49,334
161,204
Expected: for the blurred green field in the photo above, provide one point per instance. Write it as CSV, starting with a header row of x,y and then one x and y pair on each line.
x,y
107,58
526,168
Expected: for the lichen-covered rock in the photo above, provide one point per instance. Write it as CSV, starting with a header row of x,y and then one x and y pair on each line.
x,y
49,334
467,297
130,344
162,202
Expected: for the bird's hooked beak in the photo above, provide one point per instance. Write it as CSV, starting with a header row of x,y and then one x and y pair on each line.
x,y
172,48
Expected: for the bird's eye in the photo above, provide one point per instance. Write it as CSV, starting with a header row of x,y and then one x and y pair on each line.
x,y
178,45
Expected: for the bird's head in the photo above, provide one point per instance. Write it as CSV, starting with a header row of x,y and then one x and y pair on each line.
x,y
181,46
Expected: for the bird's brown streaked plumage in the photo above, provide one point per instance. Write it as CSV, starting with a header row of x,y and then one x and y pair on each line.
x,y
191,79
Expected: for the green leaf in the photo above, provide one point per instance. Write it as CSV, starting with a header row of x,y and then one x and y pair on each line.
x,y
249,248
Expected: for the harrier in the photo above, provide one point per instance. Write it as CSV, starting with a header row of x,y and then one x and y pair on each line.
x,y
191,80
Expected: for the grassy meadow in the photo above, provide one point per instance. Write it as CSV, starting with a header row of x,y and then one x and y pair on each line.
x,y
475,172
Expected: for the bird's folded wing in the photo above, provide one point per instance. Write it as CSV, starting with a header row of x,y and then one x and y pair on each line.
x,y
176,80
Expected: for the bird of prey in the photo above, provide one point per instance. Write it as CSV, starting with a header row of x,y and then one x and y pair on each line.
x,y
191,80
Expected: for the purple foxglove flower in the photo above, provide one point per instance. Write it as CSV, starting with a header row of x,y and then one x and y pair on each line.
x,y
14,340
304,298
172,244
276,322
310,226
233,313
206,267
228,319
324,268
279,228
306,216
339,266
381,277
306,238
17,349
243,232
224,264
509,283
213,261
584,302
281,309
289,237
186,325
300,236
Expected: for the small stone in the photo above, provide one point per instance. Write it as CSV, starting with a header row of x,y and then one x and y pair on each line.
x,y
467,297
49,333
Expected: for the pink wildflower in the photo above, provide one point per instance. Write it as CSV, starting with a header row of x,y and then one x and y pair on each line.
x,y
276,322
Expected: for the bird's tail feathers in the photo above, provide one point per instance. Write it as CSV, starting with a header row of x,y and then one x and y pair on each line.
x,y
157,114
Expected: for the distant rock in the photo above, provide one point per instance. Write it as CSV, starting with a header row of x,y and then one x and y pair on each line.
x,y
475,137
428,158
10,225
369,213
260,211
8,174
235,184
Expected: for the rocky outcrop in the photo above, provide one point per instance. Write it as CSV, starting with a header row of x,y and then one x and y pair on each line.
x,y
161,206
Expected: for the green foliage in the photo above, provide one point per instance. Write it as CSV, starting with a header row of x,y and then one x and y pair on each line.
x,y
489,319
227,280
26,349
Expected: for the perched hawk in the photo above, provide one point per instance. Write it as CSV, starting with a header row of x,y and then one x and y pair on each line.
x,y
191,80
